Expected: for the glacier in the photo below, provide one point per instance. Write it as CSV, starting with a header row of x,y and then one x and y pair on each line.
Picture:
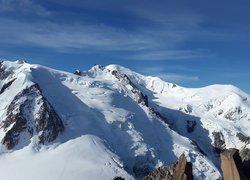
x,y
111,121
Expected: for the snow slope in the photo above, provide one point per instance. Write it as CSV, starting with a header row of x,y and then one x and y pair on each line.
x,y
110,131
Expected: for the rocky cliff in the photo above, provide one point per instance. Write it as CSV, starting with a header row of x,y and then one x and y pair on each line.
x,y
181,170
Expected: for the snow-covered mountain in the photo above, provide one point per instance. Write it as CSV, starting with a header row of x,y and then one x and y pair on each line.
x,y
110,121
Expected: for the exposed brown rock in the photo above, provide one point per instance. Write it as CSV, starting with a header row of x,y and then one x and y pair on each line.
x,y
231,165
181,170
11,138
161,173
21,118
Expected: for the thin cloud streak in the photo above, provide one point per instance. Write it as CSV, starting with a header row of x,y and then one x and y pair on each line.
x,y
172,55
75,36
169,77
158,42
23,7
178,78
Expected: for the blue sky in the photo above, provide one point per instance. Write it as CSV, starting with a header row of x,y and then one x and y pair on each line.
x,y
193,43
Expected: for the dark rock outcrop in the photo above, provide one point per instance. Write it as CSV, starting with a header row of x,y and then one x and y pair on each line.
x,y
159,115
3,72
161,173
231,165
6,78
245,154
78,72
118,178
190,126
243,138
181,170
6,85
219,142
235,113
30,114
138,95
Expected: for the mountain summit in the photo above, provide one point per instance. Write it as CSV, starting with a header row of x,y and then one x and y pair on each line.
x,y
110,121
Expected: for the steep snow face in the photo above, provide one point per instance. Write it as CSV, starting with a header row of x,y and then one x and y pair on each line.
x,y
99,104
223,102
219,108
111,121
213,116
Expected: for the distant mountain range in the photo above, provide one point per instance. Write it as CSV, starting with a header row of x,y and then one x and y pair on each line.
x,y
110,121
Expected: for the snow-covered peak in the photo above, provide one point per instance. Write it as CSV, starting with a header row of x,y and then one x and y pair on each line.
x,y
113,122
116,67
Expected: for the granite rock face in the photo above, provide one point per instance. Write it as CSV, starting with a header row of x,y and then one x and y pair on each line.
x,y
29,115
219,142
231,165
161,173
181,170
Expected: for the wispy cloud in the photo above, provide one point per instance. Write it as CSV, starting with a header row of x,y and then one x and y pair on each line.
x,y
71,36
172,55
83,37
161,72
178,78
160,40
23,6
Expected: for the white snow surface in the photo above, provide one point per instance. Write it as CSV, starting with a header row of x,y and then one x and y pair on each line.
x,y
107,133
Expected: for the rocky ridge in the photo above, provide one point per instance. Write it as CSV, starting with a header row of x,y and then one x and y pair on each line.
x,y
29,115
181,170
